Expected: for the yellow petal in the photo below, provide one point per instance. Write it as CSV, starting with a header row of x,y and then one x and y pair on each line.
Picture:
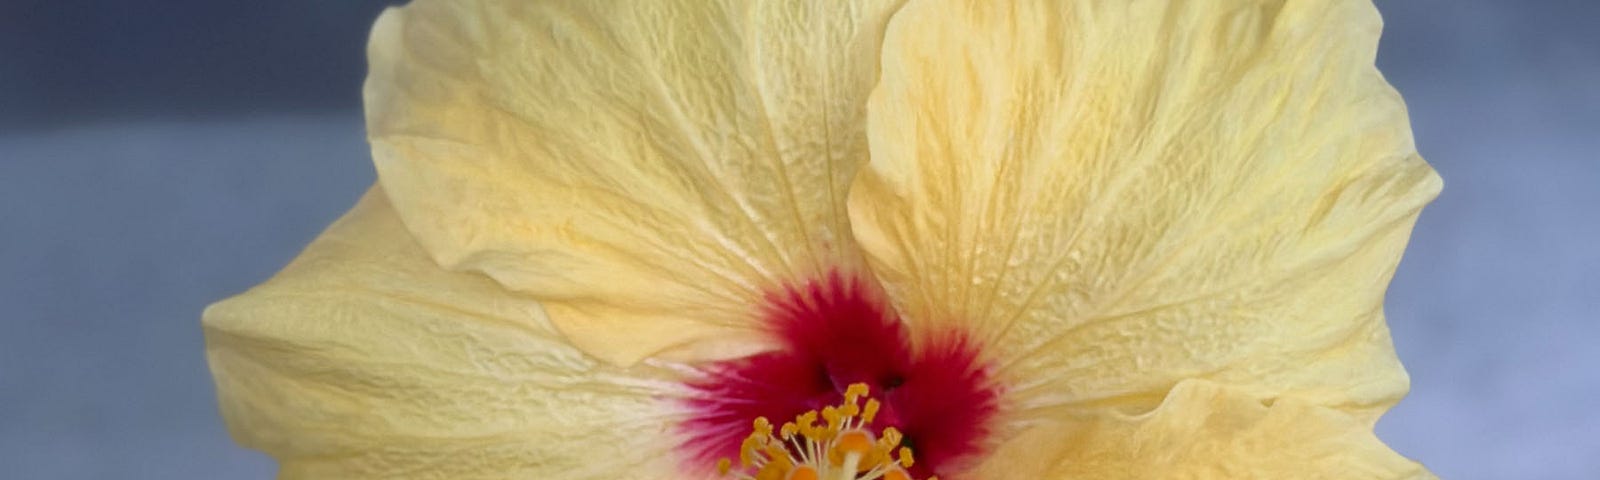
x,y
648,171
364,359
1116,195
1205,431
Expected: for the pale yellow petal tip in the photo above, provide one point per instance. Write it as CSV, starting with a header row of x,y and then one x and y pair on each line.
x,y
1434,184
223,320
379,90
212,314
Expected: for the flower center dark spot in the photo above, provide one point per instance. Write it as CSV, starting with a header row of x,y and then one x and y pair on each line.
x,y
834,333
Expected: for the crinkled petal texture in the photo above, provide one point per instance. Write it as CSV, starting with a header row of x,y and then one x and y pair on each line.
x,y
1116,195
1206,431
365,359
647,171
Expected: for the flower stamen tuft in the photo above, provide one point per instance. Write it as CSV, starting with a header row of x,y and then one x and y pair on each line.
x,y
840,447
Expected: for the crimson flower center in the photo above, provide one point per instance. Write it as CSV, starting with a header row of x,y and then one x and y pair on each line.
x,y
834,333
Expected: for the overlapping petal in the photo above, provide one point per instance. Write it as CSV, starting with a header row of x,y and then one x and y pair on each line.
x,y
648,170
1206,431
1117,195
364,359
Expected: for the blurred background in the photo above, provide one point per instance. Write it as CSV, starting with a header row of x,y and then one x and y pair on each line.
x,y
158,156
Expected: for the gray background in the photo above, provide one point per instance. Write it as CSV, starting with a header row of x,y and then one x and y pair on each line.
x,y
158,156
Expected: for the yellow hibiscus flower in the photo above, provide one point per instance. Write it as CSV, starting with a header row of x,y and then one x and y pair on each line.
x,y
975,239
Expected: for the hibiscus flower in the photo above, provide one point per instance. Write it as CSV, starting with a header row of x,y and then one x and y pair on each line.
x,y
793,239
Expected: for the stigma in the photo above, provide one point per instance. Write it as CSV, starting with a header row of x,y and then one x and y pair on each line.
x,y
842,446
837,341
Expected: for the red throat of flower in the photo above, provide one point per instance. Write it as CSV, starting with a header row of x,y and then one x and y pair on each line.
x,y
836,333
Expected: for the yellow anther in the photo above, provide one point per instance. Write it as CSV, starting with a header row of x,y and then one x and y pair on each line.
x,y
775,450
781,462
855,391
892,436
762,427
808,424
896,474
747,451
833,417
905,457
871,411
789,429
724,466
807,420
